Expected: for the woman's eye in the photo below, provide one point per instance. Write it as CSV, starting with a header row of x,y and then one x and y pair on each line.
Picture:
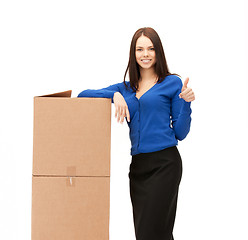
x,y
141,49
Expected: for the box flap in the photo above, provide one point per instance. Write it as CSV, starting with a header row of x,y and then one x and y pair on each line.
x,y
59,94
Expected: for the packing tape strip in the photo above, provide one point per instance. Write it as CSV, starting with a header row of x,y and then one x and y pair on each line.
x,y
70,180
71,171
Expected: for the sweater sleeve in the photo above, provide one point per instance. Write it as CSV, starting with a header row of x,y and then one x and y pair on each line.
x,y
107,92
180,114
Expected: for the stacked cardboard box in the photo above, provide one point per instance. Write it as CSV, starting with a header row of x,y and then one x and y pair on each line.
x,y
71,168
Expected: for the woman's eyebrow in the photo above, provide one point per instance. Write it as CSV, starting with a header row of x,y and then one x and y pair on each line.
x,y
142,47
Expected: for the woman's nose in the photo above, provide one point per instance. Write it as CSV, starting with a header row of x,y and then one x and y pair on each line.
x,y
145,53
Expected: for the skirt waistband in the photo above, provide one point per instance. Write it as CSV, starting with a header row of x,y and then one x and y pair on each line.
x,y
142,155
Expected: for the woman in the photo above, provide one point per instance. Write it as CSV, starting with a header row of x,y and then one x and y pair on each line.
x,y
157,108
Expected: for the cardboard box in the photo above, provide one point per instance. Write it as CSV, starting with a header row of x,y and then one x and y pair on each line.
x,y
71,167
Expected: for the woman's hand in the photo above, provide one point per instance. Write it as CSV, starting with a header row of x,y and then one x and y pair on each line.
x,y
121,108
186,93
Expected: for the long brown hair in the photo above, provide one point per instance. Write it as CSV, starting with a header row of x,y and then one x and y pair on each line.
x,y
161,67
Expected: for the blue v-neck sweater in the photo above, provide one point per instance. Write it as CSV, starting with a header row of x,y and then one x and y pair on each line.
x,y
158,119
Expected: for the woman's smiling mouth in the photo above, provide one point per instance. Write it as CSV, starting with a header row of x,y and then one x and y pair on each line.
x,y
145,60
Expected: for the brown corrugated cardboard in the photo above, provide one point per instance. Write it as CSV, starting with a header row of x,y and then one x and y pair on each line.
x,y
71,133
76,210
71,167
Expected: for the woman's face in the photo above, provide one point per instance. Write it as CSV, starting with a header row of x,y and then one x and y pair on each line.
x,y
145,52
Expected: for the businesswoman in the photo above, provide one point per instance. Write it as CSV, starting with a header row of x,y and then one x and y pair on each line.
x,y
157,108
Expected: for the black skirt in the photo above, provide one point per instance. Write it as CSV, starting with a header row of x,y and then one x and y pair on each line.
x,y
154,180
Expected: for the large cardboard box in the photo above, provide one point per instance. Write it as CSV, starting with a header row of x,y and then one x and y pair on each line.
x,y
71,168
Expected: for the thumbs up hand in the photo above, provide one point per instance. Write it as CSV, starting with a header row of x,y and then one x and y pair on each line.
x,y
186,93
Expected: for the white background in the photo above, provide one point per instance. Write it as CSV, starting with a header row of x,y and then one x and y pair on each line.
x,y
52,46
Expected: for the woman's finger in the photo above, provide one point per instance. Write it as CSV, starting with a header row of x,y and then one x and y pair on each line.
x,y
190,94
128,115
116,111
185,92
189,97
120,113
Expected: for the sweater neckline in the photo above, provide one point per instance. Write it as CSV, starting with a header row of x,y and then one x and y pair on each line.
x,y
145,91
